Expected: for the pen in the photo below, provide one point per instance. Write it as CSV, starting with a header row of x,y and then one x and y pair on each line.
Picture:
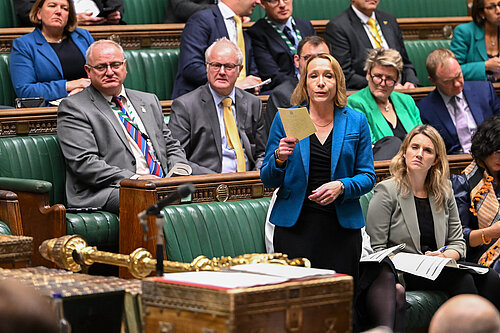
x,y
442,249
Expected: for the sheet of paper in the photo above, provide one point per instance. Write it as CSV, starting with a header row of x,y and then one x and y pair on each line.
x,y
428,267
297,122
289,272
225,279
379,256
259,84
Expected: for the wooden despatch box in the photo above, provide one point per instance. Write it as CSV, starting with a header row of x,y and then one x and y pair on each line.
x,y
313,305
15,251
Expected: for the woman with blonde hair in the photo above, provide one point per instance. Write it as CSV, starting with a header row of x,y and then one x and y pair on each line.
x,y
416,206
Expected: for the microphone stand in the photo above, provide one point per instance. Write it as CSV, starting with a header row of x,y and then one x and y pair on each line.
x,y
159,244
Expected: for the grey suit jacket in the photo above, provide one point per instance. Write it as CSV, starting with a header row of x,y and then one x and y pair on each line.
x,y
392,219
97,153
194,122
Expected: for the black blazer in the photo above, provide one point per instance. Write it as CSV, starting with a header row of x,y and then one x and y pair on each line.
x,y
350,45
179,11
273,57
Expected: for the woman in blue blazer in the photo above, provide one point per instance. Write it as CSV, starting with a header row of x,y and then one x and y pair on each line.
x,y
317,214
475,44
49,62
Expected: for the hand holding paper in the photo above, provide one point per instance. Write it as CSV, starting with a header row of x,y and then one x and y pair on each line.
x,y
297,122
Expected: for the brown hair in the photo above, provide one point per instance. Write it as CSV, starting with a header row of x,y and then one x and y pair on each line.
x,y
436,182
477,12
436,58
300,95
70,25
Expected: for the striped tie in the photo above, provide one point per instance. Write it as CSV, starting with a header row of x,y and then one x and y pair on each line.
x,y
374,31
135,133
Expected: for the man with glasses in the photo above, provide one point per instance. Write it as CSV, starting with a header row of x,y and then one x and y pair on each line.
x,y
275,39
280,96
360,28
108,133
456,107
201,30
220,126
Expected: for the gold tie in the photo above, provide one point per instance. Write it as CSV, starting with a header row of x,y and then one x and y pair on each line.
x,y
374,31
233,138
241,44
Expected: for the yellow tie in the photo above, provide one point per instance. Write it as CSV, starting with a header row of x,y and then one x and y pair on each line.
x,y
233,138
374,31
241,44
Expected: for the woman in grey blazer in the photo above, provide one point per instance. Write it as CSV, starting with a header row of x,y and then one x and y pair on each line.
x,y
416,207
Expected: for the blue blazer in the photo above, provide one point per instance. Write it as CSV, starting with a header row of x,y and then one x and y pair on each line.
x,y
35,68
470,50
483,103
200,31
351,163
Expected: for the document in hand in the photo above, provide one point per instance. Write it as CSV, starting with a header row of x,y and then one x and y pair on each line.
x,y
297,122
429,267
380,255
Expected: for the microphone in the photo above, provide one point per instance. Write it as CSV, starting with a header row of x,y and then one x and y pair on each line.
x,y
181,192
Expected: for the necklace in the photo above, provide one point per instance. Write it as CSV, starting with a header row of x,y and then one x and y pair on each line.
x,y
331,121
386,106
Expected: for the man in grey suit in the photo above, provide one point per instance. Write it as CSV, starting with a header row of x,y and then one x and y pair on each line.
x,y
202,123
95,134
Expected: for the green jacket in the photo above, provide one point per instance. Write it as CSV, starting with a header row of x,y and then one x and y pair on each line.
x,y
405,107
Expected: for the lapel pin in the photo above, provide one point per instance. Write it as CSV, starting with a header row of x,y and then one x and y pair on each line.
x,y
143,109
385,22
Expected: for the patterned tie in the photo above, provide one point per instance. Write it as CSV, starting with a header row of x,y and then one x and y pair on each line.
x,y
233,138
241,44
463,132
135,133
374,31
288,34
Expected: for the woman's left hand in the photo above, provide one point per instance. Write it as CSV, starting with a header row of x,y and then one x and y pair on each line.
x,y
326,193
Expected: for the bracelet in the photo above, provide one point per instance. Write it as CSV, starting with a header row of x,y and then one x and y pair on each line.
x,y
483,238
277,158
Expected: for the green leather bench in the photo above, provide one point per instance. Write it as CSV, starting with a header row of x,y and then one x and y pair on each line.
x,y
418,50
144,11
327,9
8,18
234,228
33,167
151,70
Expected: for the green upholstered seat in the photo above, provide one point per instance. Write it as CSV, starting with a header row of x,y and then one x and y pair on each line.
x,y
423,305
36,164
7,94
152,70
144,11
215,229
4,229
8,18
327,9
418,50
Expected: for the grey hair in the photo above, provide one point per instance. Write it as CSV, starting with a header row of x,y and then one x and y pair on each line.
x,y
227,43
384,57
99,42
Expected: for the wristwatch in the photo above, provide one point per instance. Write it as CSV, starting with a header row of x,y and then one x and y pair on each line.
x,y
342,188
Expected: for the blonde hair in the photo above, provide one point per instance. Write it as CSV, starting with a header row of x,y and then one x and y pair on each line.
x,y
72,20
300,96
436,182
384,57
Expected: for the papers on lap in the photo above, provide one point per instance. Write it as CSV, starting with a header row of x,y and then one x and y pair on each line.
x,y
379,256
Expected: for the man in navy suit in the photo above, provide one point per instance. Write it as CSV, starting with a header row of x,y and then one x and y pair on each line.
x,y
455,108
200,31
275,39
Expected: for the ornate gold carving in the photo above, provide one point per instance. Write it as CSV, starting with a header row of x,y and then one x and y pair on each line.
x,y
222,193
71,251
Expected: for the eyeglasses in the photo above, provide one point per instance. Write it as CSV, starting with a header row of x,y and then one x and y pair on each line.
x,y
216,66
492,6
276,2
378,79
103,67
496,154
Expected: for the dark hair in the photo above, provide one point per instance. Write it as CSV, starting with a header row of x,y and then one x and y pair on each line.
x,y
477,12
70,25
313,40
486,140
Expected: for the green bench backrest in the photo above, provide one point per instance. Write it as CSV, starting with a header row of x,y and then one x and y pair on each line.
x,y
327,9
35,157
8,18
144,11
152,70
418,50
215,229
7,94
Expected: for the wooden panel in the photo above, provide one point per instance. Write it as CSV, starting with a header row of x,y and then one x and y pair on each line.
x,y
168,35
